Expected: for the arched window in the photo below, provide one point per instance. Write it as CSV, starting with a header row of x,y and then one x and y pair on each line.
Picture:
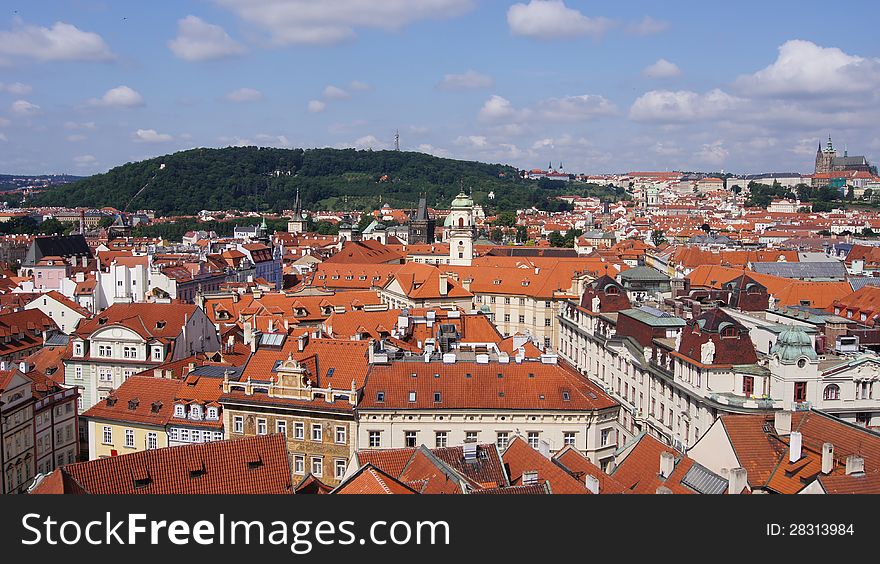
x,y
730,332
832,392
461,222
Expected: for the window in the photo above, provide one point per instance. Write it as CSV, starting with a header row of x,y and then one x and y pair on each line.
x,y
748,386
502,439
832,392
440,439
129,352
105,374
152,441
375,439
409,439
437,397
522,318
261,426
507,318
238,424
412,396
104,350
195,412
606,434
281,427
546,323
340,469
299,431
800,392
184,435
533,439
341,435
380,397
506,301
546,304
317,432
78,372
157,353
299,464
129,438
212,414
317,466
568,438
546,342
108,436
470,436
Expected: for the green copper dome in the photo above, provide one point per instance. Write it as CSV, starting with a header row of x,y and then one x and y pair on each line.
x,y
462,201
794,343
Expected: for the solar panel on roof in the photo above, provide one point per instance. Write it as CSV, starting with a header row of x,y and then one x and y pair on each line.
x,y
702,480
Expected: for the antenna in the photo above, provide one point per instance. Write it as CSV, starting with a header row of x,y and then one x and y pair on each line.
x,y
397,140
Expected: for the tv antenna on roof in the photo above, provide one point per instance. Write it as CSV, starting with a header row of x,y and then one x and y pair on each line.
x,y
397,140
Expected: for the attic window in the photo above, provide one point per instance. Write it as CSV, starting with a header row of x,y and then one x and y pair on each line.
x,y
436,375
111,401
468,375
531,374
160,325
380,397
133,403
500,394
805,303
525,282
500,375
254,464
530,478
102,320
412,396
413,375
496,282
142,483
566,396
437,397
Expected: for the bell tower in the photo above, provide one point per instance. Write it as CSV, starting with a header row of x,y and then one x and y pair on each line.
x,y
460,224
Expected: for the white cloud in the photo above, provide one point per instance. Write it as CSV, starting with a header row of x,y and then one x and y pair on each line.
x,y
331,21
85,160
803,68
552,19
662,69
198,40
119,97
244,95
432,150
359,86
16,88
369,142
647,26
682,105
472,141
151,136
712,153
273,140
335,93
61,42
665,149
236,141
317,106
76,138
470,80
497,108
24,108
571,108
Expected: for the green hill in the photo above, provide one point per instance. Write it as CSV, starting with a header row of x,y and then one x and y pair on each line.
x,y
266,179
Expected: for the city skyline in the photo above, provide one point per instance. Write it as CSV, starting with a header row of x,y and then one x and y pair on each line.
x,y
87,85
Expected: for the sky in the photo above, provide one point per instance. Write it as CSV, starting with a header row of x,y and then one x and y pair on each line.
x,y
595,87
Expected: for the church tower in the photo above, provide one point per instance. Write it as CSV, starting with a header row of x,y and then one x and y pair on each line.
x,y
299,222
422,226
460,223
825,158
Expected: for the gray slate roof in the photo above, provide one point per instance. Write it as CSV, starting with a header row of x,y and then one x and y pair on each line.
x,y
803,270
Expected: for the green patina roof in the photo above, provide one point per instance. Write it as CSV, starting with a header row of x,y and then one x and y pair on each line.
x,y
792,344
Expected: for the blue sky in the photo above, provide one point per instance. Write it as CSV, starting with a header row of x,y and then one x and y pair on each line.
x,y
86,85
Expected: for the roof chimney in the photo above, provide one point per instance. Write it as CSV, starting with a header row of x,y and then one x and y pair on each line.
x,y
782,422
855,465
795,443
592,484
827,458
667,464
302,341
663,490
444,284
737,481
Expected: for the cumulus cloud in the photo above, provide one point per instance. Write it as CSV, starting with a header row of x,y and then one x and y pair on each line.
x,y
552,19
472,141
273,140
16,88
681,106
576,108
335,93
24,108
647,26
317,106
119,97
84,160
151,136
331,21
470,80
803,68
432,150
497,108
76,138
244,95
662,69
712,153
369,142
198,40
61,42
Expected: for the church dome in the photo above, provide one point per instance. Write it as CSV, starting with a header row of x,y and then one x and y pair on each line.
x,y
794,343
462,201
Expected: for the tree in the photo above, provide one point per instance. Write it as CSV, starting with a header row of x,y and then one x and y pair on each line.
x,y
867,194
51,227
868,232
823,233
505,219
522,234
106,221
496,235
706,228
556,239
658,237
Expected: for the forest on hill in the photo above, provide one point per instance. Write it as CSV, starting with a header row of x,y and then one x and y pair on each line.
x,y
267,180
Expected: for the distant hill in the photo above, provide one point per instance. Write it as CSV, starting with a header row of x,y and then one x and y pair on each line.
x,y
266,179
14,181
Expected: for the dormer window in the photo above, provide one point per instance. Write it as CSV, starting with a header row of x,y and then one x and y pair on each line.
x,y
730,332
212,414
195,412
412,397
566,396
380,397
179,410
78,349
160,325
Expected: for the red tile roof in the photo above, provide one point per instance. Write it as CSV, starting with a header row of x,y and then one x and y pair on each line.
x,y
520,458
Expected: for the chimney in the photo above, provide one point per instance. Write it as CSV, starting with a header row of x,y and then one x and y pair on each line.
x,y
663,490
667,464
782,422
466,284
302,341
855,465
795,444
827,458
592,484
444,284
737,481
25,366
248,333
